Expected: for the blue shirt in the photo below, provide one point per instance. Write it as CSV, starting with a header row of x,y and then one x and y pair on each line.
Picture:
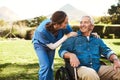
x,y
87,51
42,36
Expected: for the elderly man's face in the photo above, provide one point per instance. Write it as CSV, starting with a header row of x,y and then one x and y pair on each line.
x,y
86,25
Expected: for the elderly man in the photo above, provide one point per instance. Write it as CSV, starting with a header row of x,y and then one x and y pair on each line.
x,y
84,53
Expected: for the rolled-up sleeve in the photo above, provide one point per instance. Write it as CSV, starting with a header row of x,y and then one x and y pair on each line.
x,y
62,53
109,54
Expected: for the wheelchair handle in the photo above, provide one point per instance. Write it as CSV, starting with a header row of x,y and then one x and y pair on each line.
x,y
75,72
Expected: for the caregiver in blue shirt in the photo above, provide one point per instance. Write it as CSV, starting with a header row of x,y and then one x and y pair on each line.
x,y
47,37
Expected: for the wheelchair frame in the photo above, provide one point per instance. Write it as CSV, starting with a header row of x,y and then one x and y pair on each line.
x,y
72,72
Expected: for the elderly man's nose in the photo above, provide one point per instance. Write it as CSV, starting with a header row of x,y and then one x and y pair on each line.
x,y
82,25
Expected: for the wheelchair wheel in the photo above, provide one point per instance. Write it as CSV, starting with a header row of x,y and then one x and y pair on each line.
x,y
62,74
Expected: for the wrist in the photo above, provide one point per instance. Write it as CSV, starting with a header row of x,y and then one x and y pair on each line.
x,y
65,36
72,55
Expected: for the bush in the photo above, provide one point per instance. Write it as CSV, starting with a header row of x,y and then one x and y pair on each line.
x,y
75,28
99,29
29,34
112,31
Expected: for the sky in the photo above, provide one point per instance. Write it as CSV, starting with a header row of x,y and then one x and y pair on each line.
x,y
32,8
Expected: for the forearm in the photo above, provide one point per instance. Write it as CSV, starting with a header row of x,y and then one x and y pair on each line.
x,y
68,55
58,43
74,61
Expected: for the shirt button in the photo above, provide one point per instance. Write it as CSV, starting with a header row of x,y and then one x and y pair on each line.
x,y
91,64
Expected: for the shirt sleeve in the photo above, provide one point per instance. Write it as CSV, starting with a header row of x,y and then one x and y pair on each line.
x,y
40,33
105,50
41,37
66,47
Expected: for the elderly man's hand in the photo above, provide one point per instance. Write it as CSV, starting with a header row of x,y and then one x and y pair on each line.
x,y
74,61
116,64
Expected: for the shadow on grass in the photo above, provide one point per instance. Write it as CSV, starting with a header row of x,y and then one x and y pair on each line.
x,y
10,71
57,64
116,43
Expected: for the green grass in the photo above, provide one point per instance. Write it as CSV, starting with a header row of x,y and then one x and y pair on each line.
x,y
18,60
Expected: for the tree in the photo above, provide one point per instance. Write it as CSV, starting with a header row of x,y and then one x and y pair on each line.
x,y
38,20
105,19
114,13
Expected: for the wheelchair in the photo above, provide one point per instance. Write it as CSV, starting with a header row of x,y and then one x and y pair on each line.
x,y
67,72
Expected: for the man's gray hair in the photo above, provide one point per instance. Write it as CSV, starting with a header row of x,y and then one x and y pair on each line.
x,y
91,19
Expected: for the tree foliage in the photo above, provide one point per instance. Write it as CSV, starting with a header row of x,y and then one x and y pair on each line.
x,y
36,21
114,13
105,19
102,20
31,22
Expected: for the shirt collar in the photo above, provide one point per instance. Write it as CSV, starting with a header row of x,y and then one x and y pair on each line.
x,y
80,34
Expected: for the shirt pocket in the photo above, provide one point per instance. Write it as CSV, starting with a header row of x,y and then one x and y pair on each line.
x,y
94,48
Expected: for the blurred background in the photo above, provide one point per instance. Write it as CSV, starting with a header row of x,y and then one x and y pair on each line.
x,y
19,19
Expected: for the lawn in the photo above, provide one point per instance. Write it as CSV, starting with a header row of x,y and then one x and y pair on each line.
x,y
18,60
